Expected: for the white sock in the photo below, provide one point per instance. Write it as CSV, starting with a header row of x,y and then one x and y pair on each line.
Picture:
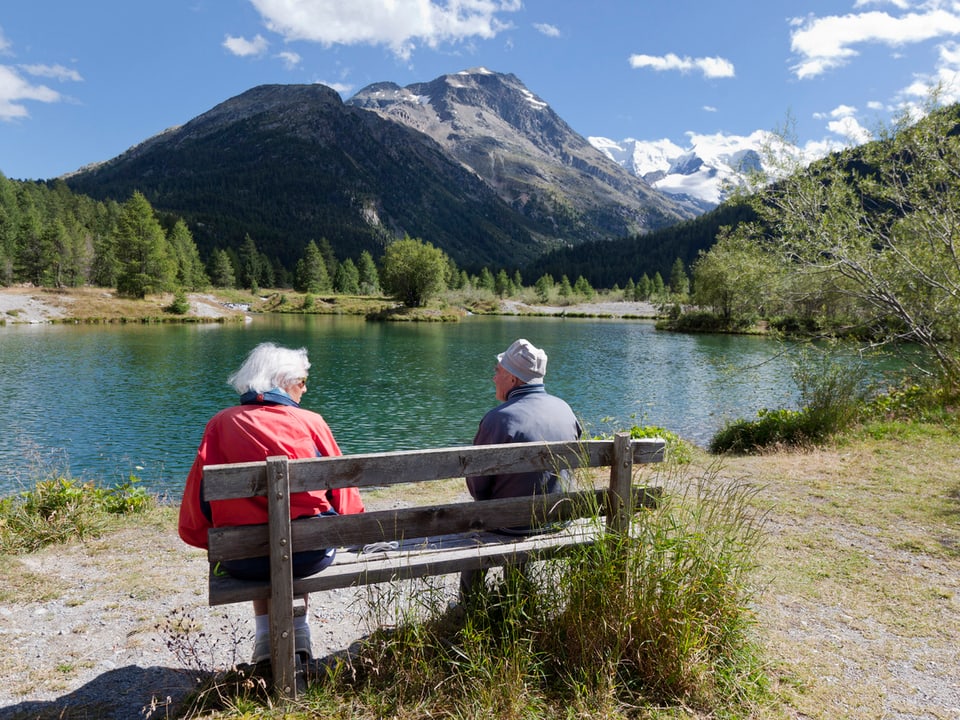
x,y
262,625
300,623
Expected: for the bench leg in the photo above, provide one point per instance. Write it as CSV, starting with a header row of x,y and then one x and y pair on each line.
x,y
303,651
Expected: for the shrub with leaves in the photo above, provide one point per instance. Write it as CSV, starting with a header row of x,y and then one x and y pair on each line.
x,y
832,396
59,509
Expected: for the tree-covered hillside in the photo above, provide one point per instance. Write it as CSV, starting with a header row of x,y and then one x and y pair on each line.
x,y
290,164
606,264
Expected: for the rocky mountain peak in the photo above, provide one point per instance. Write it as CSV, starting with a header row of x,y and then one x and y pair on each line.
x,y
514,140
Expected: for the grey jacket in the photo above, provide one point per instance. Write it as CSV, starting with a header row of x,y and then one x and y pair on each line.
x,y
528,414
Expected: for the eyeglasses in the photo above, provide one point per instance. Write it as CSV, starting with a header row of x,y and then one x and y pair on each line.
x,y
303,381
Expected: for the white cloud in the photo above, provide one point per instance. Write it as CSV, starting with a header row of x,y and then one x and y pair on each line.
x,y
57,72
342,88
709,108
711,67
824,43
848,127
548,30
245,48
397,24
816,149
14,90
841,111
945,80
902,4
4,44
290,59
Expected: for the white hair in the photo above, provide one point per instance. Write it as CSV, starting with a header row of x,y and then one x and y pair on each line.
x,y
268,366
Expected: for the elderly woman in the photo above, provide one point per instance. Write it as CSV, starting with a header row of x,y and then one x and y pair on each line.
x,y
268,421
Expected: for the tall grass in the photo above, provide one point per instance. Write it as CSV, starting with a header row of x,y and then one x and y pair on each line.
x,y
660,618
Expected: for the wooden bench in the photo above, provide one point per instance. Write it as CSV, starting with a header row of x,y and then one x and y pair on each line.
x,y
428,539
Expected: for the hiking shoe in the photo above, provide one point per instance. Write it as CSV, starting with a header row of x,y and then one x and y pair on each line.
x,y
261,650
301,641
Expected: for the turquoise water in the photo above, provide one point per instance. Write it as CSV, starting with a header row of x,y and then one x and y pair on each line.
x,y
110,401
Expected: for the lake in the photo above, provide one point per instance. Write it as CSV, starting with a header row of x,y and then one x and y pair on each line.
x,y
109,401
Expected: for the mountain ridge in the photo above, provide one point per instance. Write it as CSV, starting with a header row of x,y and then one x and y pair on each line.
x,y
473,162
522,148
705,173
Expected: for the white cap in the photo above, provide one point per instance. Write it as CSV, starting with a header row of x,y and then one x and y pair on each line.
x,y
525,361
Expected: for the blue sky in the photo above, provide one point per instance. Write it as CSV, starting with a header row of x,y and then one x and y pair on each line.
x,y
81,82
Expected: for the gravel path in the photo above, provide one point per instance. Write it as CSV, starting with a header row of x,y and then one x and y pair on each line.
x,y
104,644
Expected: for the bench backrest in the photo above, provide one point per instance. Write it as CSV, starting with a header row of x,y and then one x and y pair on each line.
x,y
413,466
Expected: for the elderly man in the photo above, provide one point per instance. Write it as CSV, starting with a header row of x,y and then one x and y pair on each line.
x,y
527,413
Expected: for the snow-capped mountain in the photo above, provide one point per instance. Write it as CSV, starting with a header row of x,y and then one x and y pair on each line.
x,y
705,172
492,124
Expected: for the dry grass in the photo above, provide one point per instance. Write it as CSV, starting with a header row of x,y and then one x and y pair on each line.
x,y
862,603
102,305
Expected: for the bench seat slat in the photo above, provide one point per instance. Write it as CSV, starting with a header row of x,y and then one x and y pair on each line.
x,y
414,559
237,542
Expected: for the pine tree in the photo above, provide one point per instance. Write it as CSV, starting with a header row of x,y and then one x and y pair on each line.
x,y
190,271
583,288
221,270
679,283
369,277
658,287
347,280
486,280
501,284
248,266
146,261
543,287
312,271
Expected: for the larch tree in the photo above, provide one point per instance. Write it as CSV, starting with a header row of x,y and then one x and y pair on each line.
x,y
146,261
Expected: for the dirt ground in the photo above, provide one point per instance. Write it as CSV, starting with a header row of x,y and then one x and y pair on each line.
x,y
27,305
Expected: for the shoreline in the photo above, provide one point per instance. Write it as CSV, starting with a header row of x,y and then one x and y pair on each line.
x,y
28,305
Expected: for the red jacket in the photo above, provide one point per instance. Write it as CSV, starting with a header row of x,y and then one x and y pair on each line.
x,y
249,433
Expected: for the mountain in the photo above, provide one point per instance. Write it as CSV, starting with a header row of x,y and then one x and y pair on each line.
x,y
703,174
291,163
474,163
492,124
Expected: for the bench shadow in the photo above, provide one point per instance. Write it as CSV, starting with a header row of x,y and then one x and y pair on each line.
x,y
121,694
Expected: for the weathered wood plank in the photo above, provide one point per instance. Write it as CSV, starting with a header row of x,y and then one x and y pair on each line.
x,y
281,577
457,554
232,543
223,482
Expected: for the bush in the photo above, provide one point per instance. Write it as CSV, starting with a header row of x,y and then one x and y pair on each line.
x,y
677,450
771,428
180,304
831,398
59,509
